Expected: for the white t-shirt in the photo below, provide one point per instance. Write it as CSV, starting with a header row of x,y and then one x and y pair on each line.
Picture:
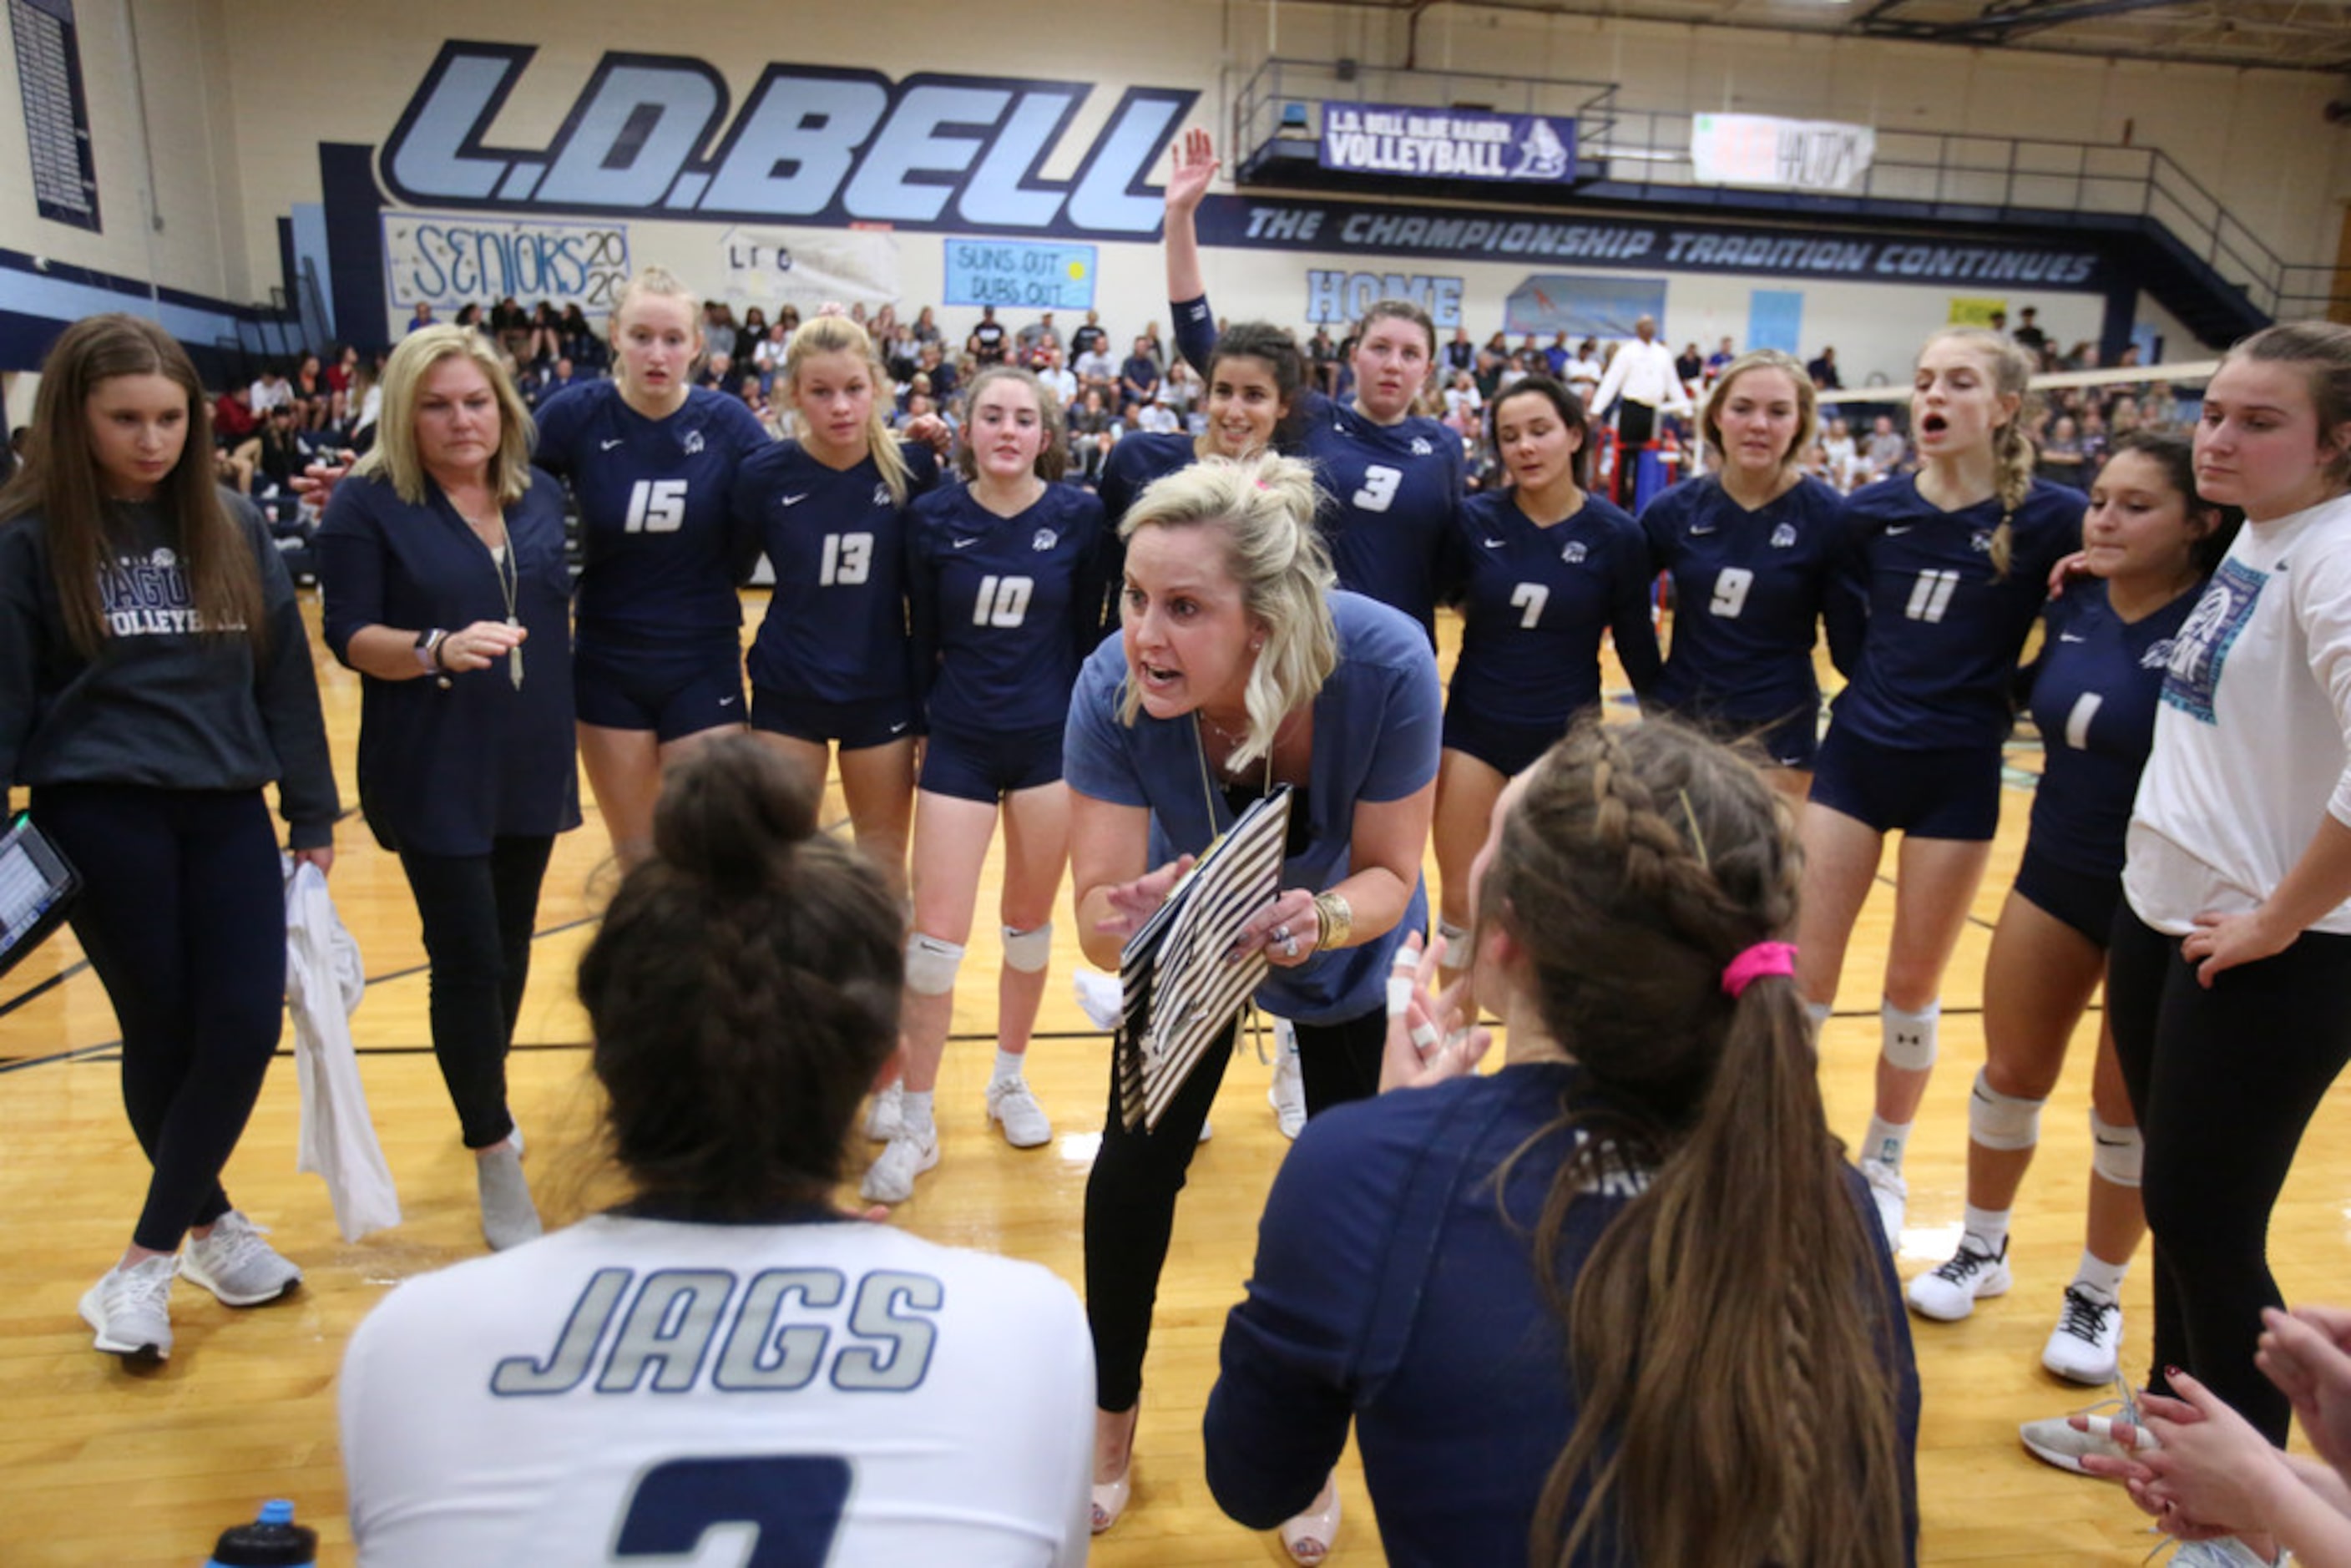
x,y
2250,738
868,1397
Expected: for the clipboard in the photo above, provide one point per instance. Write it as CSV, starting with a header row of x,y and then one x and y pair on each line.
x,y
1178,991
37,886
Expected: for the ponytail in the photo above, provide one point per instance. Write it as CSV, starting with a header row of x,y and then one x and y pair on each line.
x,y
1735,1404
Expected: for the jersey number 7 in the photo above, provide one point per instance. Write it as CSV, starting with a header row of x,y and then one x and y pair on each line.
x,y
793,1502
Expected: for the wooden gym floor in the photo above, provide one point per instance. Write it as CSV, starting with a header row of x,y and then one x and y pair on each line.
x,y
103,1465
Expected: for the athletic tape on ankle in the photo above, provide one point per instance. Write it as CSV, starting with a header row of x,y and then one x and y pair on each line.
x,y
1455,944
2116,1153
1999,1121
1028,951
1909,1037
931,965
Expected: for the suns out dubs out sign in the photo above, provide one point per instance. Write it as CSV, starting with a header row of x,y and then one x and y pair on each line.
x,y
656,136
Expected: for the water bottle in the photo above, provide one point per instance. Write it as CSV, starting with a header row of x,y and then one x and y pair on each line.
x,y
273,1541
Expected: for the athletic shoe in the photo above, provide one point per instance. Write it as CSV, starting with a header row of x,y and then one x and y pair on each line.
x,y
886,1117
2087,1344
1012,1104
891,1177
2055,1441
1948,1293
509,1218
1893,1197
1288,1096
131,1308
236,1265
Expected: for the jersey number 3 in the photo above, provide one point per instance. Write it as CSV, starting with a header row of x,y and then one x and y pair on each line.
x,y
1380,483
657,506
793,1504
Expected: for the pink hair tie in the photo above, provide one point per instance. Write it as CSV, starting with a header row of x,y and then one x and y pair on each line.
x,y
1763,958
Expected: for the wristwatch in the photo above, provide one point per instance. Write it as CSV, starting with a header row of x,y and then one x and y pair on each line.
x,y
428,648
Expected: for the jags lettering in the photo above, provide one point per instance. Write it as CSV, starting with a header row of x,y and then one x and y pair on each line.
x,y
150,597
776,1335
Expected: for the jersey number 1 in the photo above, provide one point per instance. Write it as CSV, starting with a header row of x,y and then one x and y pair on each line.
x,y
657,506
793,1504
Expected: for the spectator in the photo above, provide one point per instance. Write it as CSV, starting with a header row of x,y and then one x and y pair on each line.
x,y
985,343
1053,377
1139,376
1843,456
1887,451
1719,360
1583,372
1690,365
510,326
1092,433
1823,371
1322,357
933,363
2029,335
270,389
1642,379
1461,354
717,373
1096,368
1089,337
233,418
1037,335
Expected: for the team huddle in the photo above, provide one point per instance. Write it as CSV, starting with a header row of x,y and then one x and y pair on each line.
x,y
1514,1286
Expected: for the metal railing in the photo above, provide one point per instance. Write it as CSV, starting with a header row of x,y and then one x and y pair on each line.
x,y
1646,154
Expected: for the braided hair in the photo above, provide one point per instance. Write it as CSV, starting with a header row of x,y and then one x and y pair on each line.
x,y
2013,457
1637,863
743,992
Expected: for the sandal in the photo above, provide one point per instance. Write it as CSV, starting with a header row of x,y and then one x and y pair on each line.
x,y
1309,1537
1110,1497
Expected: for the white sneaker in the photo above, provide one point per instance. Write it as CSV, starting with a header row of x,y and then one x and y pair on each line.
x,y
509,1218
1012,1106
1893,1197
131,1308
1288,1096
1948,1292
2087,1345
2055,1441
891,1177
236,1265
886,1117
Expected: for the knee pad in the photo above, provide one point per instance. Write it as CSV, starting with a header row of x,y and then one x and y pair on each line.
x,y
1909,1037
2116,1153
931,965
1999,1121
1028,951
1456,944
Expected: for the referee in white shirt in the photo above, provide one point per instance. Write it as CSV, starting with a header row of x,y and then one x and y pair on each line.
x,y
1639,382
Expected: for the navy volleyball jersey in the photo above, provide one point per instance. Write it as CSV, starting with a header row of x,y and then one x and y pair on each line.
x,y
1748,589
1390,494
1390,491
1136,462
835,630
659,555
1938,666
1535,601
1003,609
2094,688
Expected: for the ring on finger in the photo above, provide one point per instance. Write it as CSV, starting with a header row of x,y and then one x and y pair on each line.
x,y
1290,947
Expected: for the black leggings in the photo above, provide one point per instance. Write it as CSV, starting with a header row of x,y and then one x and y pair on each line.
x,y
1131,1196
2223,1082
183,914
477,912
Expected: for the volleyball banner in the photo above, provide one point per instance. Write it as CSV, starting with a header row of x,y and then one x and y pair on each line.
x,y
1446,143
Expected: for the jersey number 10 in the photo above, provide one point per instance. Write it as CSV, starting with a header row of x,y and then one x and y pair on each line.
x,y
1002,600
